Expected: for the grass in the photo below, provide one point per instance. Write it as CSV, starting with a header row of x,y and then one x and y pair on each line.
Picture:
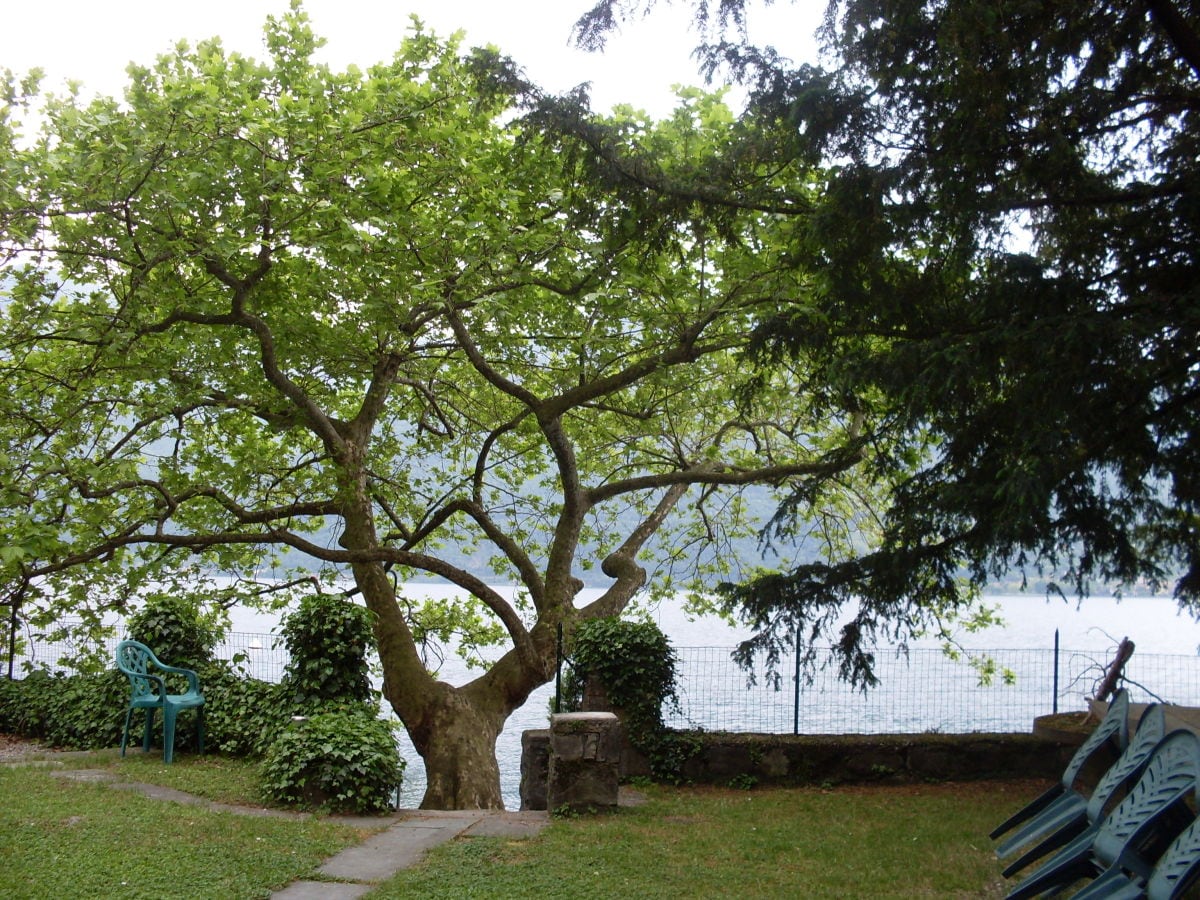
x,y
911,841
65,838
220,778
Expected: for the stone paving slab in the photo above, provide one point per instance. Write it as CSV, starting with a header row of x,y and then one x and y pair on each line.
x,y
403,844
380,856
322,890
509,825
159,792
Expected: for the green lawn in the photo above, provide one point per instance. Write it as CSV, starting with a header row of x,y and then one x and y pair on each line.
x,y
66,839
913,841
62,838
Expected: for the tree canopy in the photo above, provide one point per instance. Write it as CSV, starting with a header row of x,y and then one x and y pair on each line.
x,y
1005,248
261,311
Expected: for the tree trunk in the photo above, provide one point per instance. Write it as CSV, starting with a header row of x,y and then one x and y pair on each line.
x,y
454,729
457,743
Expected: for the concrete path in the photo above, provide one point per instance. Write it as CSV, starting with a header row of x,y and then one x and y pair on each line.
x,y
359,868
399,841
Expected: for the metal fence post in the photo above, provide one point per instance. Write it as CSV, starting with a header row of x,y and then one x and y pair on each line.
x,y
796,685
1054,703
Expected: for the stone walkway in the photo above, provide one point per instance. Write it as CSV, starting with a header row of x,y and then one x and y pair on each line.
x,y
357,869
399,840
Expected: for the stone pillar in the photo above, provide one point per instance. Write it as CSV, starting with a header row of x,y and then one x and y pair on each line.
x,y
535,768
585,761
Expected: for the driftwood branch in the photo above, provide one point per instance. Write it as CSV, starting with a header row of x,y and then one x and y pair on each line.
x,y
1113,673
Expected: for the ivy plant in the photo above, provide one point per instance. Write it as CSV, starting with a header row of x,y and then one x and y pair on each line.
x,y
342,759
327,639
178,629
636,666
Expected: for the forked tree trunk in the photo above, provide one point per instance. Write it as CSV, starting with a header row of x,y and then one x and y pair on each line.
x,y
457,743
454,729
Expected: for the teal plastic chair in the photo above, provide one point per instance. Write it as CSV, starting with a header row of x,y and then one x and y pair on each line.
x,y
1131,878
149,692
1072,812
1148,816
1110,736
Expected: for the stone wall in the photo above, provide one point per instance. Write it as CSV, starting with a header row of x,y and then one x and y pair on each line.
x,y
841,759
742,759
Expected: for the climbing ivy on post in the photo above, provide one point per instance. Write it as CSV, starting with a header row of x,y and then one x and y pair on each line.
x,y
327,639
636,666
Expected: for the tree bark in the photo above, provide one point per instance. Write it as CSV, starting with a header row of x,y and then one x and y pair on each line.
x,y
457,743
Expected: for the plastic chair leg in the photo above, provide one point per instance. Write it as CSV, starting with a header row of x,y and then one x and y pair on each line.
x,y
125,733
1062,812
149,731
168,733
1070,864
1028,811
1067,832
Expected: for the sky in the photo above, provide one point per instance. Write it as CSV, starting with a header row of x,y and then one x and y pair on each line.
x,y
92,41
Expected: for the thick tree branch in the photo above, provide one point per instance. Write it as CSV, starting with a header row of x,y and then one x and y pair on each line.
x,y
831,464
622,565
1180,33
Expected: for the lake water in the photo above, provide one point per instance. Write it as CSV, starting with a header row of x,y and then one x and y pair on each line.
x,y
1087,635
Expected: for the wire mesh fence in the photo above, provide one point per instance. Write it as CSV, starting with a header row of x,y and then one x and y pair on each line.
x,y
255,655
922,690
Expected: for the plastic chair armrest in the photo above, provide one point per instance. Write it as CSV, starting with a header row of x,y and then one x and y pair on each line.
x,y
192,677
160,686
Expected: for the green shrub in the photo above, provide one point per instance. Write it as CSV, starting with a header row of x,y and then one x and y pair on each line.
x,y
177,629
242,716
340,760
87,711
635,663
23,704
327,639
82,712
334,753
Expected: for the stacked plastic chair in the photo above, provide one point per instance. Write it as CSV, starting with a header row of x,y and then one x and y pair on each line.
x,y
1131,878
1072,813
1155,812
1110,736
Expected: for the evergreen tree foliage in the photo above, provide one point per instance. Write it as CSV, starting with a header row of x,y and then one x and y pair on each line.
x,y
1006,251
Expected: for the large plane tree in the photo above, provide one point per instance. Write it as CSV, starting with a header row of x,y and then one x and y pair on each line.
x,y
380,322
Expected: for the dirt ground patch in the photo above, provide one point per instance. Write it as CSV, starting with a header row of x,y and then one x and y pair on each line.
x,y
13,747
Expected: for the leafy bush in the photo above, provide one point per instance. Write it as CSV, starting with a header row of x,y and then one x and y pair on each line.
x,y
340,759
177,629
87,711
327,638
242,716
83,712
633,661
23,704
